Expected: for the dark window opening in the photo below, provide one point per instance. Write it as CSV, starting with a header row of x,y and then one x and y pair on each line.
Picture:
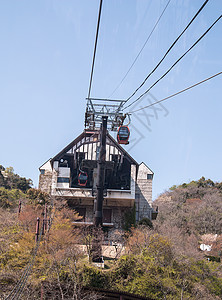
x,y
118,177
42,172
149,176
107,215
63,180
80,156
66,161
75,178
63,163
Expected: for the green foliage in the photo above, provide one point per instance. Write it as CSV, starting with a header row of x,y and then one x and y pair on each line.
x,y
139,274
37,196
202,182
2,182
159,248
204,273
153,272
130,218
9,198
10,180
153,264
172,188
93,277
144,275
146,222
125,268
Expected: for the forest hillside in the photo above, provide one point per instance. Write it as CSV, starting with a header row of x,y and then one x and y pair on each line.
x,y
159,260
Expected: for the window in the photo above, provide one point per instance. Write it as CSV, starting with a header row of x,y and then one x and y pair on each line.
x,y
97,152
119,177
107,215
42,172
80,156
63,180
63,163
149,176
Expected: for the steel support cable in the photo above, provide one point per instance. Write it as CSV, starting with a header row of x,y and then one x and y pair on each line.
x,y
23,283
174,64
173,95
16,286
157,22
167,51
95,47
20,283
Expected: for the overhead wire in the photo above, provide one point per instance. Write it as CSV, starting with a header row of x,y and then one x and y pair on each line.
x,y
173,95
95,47
168,51
157,22
198,40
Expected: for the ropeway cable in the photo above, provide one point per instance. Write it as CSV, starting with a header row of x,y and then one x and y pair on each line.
x,y
157,22
174,63
173,95
167,52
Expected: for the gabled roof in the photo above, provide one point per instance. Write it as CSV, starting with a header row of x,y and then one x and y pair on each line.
x,y
122,150
45,164
88,133
69,146
143,163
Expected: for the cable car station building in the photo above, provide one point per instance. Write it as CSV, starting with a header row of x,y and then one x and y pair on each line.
x,y
71,175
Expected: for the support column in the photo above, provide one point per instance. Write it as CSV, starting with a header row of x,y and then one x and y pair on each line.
x,y
98,217
98,213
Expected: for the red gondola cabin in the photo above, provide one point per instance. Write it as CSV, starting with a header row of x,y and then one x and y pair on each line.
x,y
82,178
123,135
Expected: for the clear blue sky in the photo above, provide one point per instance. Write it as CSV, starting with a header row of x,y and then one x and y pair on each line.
x,y
45,62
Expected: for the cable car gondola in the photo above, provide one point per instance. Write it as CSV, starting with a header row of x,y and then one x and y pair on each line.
x,y
82,178
123,135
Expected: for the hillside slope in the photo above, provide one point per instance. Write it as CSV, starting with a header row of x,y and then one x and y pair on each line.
x,y
164,262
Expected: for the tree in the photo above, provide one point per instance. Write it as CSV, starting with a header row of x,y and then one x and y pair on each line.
x,y
2,181
194,209
10,198
36,196
10,180
91,237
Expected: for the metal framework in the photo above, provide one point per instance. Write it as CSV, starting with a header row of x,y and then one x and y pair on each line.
x,y
97,108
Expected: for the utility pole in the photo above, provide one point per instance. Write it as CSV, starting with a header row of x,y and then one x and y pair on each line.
x,y
98,218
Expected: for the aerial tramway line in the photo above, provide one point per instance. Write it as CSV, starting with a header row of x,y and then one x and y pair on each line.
x,y
97,109
103,113
108,113
112,108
